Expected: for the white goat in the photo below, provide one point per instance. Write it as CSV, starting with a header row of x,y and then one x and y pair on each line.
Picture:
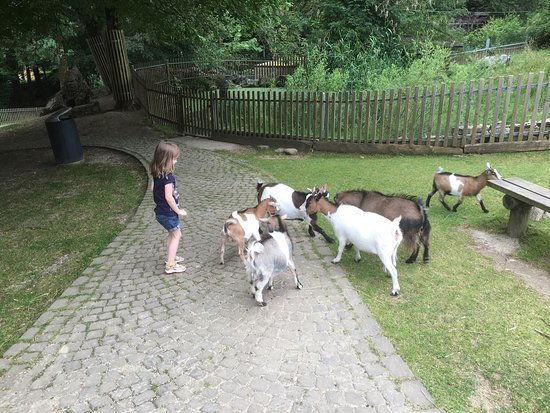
x,y
448,183
269,257
290,204
367,231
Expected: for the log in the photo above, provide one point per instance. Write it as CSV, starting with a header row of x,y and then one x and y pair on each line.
x,y
519,216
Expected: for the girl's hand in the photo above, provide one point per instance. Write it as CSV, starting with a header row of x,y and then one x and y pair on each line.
x,y
182,212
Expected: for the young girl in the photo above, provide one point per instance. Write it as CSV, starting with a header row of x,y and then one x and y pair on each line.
x,y
166,196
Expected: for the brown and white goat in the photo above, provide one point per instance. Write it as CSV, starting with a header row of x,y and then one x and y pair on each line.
x,y
414,220
244,224
448,183
289,202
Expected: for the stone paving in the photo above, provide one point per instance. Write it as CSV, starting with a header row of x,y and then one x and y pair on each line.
x,y
124,337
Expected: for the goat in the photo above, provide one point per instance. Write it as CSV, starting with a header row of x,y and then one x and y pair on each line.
x,y
269,257
367,231
289,202
244,224
448,183
414,223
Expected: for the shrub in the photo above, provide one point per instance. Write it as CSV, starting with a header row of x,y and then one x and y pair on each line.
x,y
538,28
501,31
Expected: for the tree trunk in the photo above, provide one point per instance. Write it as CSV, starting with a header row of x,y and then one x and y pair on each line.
x,y
62,57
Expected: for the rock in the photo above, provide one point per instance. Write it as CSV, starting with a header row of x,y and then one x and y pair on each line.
x,y
91,108
263,147
536,214
75,90
55,103
287,151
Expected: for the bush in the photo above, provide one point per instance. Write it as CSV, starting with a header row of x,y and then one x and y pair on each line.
x,y
316,76
538,28
501,31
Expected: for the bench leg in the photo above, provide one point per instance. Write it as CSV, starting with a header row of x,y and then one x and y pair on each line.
x,y
519,216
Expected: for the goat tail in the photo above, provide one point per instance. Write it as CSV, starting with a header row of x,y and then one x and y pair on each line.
x,y
438,170
259,184
396,231
229,221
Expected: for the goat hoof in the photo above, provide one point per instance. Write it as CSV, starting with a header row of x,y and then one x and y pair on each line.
x,y
270,287
411,261
394,293
486,211
299,286
262,303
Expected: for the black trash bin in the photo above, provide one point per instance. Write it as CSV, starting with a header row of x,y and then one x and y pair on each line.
x,y
64,137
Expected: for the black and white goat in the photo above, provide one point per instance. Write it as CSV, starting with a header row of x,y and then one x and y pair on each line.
x,y
290,202
367,231
448,183
267,258
414,220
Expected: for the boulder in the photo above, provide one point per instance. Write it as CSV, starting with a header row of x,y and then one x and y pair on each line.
x,y
75,89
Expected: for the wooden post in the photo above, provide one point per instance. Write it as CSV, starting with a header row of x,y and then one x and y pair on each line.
x,y
519,216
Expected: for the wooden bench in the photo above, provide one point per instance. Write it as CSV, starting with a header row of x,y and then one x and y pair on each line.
x,y
520,196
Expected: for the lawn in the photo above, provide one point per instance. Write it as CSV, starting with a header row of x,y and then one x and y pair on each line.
x,y
54,222
468,330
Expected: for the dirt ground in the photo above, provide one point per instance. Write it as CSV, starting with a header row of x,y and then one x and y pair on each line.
x,y
500,248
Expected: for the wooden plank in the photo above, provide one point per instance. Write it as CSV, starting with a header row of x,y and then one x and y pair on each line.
x,y
406,114
545,113
413,139
466,123
525,105
422,116
541,145
486,112
367,117
390,118
398,115
375,116
431,119
512,138
439,115
525,195
458,112
382,117
505,112
529,186
352,134
536,106
448,120
496,110
476,112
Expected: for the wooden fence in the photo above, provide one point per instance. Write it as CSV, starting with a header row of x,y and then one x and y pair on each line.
x,y
16,115
498,114
255,70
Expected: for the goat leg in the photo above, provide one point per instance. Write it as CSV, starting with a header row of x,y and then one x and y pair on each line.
x,y
292,267
414,255
478,197
341,246
455,207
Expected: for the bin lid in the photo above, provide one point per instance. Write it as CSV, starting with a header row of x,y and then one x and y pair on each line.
x,y
64,113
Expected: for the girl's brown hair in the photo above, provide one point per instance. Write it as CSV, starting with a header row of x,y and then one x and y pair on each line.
x,y
163,159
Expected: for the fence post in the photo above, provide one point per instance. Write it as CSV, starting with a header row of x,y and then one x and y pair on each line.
x,y
323,111
487,46
213,112
167,71
179,110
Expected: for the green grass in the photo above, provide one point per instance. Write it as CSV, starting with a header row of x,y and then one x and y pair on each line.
x,y
465,328
54,221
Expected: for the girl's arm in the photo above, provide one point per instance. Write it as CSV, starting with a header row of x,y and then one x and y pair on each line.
x,y
168,194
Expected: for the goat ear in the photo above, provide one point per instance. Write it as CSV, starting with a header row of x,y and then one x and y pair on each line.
x,y
283,217
488,166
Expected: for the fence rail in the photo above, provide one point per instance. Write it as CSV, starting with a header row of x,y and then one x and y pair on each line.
x,y
16,115
498,114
